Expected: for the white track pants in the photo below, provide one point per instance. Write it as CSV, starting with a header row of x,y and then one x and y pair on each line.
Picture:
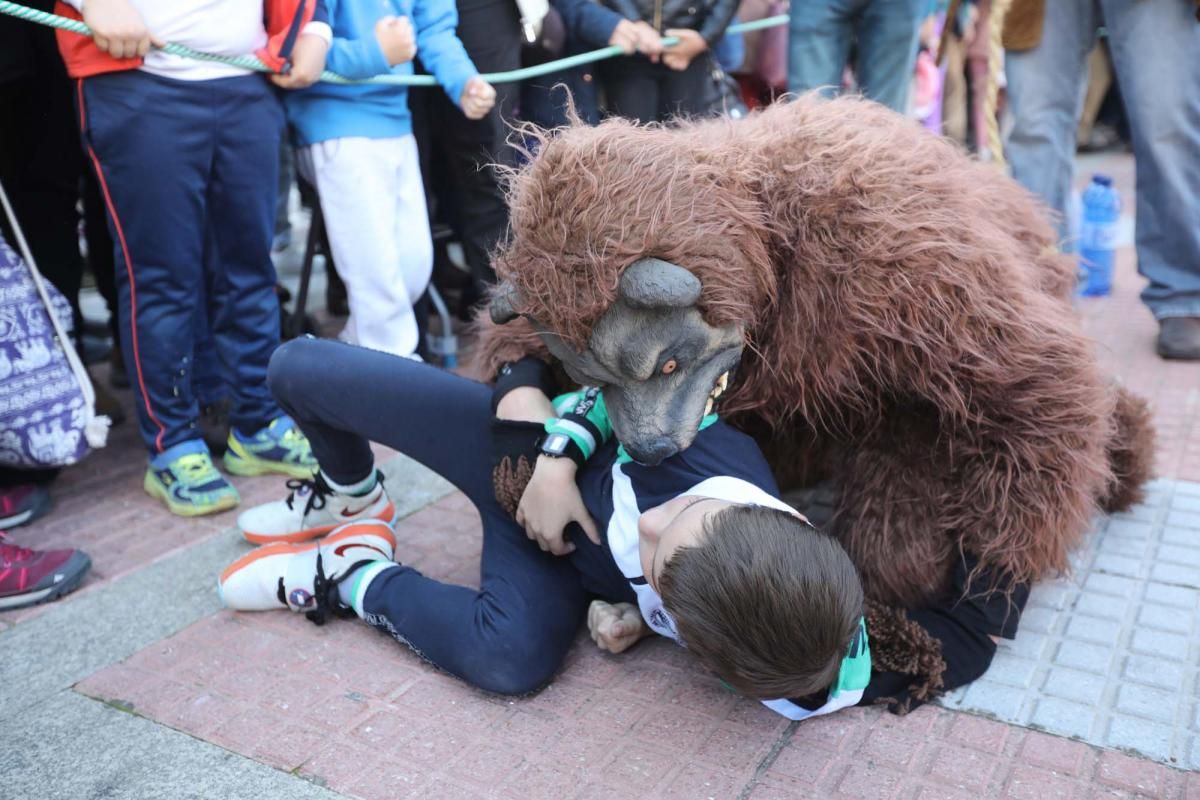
x,y
373,201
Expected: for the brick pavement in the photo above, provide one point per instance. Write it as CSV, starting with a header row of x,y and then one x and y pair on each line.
x,y
346,707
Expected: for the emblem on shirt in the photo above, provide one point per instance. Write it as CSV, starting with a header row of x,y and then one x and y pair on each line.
x,y
659,619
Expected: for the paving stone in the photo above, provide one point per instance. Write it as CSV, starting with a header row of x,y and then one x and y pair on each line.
x,y
1188,556
1083,656
1082,687
1141,736
1178,596
1183,519
1144,701
1033,783
1102,606
1133,774
1111,584
1163,645
1057,754
1155,672
1129,530
1166,618
1063,717
1002,701
1095,630
1008,669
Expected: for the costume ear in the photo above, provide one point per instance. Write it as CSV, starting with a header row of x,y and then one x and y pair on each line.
x,y
654,283
505,300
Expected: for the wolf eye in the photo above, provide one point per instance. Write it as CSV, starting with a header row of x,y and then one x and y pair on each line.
x,y
670,366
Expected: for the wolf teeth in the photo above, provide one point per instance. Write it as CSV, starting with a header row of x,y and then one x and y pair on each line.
x,y
708,407
720,386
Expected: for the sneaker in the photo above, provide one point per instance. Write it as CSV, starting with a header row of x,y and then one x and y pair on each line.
x,y
28,577
188,482
22,504
305,577
313,510
279,447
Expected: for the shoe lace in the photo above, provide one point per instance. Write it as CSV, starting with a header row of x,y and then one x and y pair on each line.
x,y
325,593
11,552
316,489
197,468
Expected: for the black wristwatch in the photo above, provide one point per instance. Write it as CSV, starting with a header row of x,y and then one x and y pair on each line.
x,y
559,445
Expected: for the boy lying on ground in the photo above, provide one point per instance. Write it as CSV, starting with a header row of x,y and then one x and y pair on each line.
x,y
700,542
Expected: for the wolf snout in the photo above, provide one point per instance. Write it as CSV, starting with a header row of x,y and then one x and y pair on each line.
x,y
653,451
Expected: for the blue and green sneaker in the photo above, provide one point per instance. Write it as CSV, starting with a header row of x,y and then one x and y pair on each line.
x,y
280,447
185,479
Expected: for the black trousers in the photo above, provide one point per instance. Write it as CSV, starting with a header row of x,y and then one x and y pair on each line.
x,y
457,154
638,89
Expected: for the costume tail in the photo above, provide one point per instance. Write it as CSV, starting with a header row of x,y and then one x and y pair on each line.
x,y
1130,452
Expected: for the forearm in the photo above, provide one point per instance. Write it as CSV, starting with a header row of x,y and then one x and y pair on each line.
x,y
523,389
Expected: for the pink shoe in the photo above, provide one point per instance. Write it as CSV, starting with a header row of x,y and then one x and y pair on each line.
x,y
28,577
22,504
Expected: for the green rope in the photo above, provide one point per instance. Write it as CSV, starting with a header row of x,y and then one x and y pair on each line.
x,y
252,63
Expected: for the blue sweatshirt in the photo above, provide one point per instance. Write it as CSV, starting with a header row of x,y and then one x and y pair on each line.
x,y
377,111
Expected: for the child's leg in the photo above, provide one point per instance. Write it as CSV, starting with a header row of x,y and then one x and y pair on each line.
x,y
411,225
374,207
150,141
511,635
241,280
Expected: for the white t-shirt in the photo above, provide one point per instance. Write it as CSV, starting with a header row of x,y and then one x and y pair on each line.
x,y
221,27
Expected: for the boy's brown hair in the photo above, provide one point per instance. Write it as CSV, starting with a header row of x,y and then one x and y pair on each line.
x,y
766,600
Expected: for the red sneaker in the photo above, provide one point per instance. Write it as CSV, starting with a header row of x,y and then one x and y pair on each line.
x,y
22,504
29,576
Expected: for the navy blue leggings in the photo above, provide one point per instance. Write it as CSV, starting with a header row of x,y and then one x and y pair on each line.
x,y
510,636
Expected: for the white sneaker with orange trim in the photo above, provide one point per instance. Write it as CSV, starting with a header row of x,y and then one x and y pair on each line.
x,y
312,510
305,577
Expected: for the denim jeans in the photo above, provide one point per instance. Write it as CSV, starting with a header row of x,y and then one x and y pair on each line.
x,y
1155,48
823,31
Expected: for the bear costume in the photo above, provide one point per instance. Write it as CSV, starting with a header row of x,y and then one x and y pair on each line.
x,y
909,346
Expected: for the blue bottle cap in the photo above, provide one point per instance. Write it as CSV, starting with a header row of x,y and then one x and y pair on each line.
x,y
1103,180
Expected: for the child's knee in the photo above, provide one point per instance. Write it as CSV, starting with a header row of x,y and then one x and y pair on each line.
x,y
518,668
290,363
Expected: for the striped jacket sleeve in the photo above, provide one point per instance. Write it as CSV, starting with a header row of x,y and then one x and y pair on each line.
x,y
582,418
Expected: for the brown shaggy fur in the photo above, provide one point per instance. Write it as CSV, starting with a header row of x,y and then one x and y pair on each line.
x,y
908,332
910,650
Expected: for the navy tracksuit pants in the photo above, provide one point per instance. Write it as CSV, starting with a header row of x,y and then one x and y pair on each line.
x,y
188,170
512,634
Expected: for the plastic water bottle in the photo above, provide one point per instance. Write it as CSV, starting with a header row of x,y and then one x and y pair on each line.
x,y
1097,236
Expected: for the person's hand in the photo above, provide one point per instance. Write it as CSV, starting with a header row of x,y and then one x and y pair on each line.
x,y
308,62
615,627
624,36
396,39
691,44
552,501
477,99
649,43
118,29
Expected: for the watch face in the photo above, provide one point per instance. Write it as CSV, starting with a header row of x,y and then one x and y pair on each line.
x,y
556,443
